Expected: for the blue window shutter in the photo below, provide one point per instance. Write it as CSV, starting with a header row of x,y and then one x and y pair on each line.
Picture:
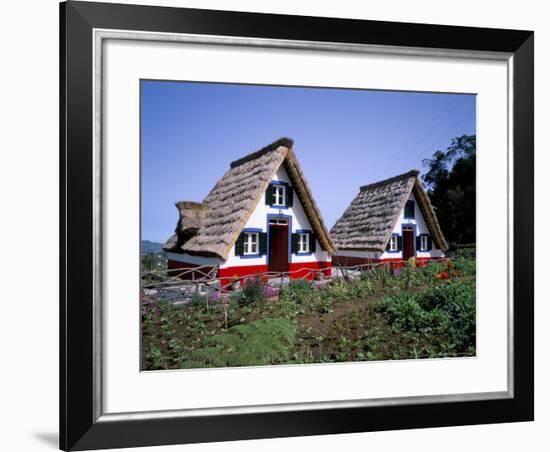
x,y
269,195
239,245
294,244
312,242
289,196
263,243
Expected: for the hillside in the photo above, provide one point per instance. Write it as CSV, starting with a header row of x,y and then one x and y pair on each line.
x,y
148,247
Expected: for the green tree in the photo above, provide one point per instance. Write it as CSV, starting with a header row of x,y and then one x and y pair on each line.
x,y
451,184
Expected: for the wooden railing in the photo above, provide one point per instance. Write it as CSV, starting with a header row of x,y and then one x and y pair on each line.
x,y
201,277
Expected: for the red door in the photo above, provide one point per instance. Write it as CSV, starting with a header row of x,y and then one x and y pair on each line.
x,y
408,243
278,248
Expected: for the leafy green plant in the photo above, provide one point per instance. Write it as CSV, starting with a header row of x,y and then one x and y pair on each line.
x,y
344,348
467,252
382,275
365,275
324,305
465,266
198,300
252,292
287,306
300,290
360,288
154,357
410,274
443,316
267,341
338,290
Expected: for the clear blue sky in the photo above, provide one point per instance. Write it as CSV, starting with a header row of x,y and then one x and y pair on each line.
x,y
190,132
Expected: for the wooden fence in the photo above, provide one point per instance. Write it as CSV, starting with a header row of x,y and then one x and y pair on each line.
x,y
178,279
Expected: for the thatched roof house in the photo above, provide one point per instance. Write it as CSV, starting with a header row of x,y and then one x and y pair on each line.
x,y
212,228
378,213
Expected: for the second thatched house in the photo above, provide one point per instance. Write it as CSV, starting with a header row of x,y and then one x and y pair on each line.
x,y
260,217
389,221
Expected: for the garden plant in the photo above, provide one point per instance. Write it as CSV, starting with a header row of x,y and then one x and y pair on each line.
x,y
380,313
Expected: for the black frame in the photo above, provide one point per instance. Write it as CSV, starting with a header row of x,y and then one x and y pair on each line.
x,y
78,427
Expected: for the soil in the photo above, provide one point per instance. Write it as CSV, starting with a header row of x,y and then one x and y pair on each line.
x,y
319,335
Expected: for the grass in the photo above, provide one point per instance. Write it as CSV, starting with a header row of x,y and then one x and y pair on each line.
x,y
379,315
266,341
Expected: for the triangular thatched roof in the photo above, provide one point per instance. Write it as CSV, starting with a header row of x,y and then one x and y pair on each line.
x,y
227,208
369,220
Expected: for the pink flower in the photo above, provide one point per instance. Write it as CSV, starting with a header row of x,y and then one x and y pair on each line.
x,y
270,292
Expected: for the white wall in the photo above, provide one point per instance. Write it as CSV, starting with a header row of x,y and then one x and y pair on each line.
x,y
258,220
362,254
29,392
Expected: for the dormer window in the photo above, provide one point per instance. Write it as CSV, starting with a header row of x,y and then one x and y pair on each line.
x,y
279,195
409,209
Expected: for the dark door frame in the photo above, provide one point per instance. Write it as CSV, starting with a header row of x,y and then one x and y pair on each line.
x,y
288,218
408,226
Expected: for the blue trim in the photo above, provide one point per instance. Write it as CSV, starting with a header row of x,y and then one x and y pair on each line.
x,y
408,225
277,206
252,256
289,218
304,231
394,234
421,249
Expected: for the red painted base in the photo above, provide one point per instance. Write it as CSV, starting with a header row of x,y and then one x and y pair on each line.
x,y
228,275
310,270
347,261
187,271
305,270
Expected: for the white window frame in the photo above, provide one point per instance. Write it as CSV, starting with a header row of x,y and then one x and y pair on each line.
x,y
278,221
303,242
251,239
394,243
279,195
423,243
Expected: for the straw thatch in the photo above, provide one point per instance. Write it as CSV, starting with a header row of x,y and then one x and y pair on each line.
x,y
213,228
368,222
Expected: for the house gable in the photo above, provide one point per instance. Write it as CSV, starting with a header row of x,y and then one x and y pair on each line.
x,y
233,200
371,218
420,228
294,215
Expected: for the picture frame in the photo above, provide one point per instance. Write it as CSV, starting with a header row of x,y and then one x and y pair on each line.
x,y
83,423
